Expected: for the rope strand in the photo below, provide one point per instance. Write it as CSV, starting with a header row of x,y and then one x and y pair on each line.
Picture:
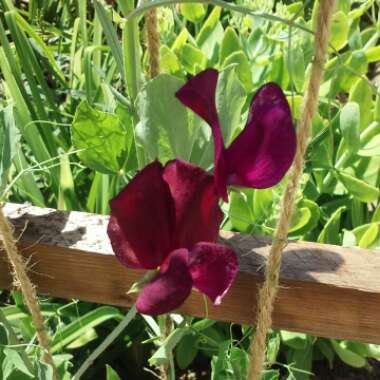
x,y
153,42
268,292
27,288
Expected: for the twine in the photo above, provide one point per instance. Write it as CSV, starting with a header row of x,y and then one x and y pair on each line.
x,y
268,292
28,289
153,42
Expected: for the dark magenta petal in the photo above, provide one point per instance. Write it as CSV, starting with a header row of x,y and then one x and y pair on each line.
x,y
213,268
169,289
120,245
199,95
264,151
143,220
198,215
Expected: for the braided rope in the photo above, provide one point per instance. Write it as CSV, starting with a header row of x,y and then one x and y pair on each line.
x,y
27,287
153,42
268,292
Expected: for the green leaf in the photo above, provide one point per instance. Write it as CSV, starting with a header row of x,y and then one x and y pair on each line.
x,y
350,125
315,214
297,341
44,371
369,236
192,58
210,34
270,374
376,214
330,232
161,356
13,362
203,324
239,362
240,211
361,93
193,12
373,54
101,137
326,349
111,36
300,219
9,139
46,50
87,336
358,188
111,373
297,67
301,363
280,73
273,347
339,30
220,365
372,148
169,62
163,127
242,69
230,44
75,329
126,123
230,99
346,355
262,201
186,351
180,41
373,351
376,111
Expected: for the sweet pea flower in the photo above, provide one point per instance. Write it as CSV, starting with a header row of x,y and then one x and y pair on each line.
x,y
262,153
167,218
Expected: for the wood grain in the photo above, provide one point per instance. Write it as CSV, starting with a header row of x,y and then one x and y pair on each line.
x,y
326,290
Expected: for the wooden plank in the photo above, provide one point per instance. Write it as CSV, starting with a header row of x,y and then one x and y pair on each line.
x,y
325,290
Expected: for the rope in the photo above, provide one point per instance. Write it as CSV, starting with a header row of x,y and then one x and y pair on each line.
x,y
28,289
268,292
153,42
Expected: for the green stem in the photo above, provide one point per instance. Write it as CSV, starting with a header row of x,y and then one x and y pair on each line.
x,y
132,64
106,343
221,3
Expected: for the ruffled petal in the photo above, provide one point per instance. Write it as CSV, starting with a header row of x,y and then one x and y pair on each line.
x,y
143,220
213,268
199,95
198,215
169,289
264,151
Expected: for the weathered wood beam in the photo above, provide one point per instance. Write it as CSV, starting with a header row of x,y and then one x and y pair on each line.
x,y
326,290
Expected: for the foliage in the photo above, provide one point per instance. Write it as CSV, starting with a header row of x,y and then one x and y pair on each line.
x,y
78,117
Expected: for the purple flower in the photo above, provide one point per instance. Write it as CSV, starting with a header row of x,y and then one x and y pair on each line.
x,y
263,152
168,218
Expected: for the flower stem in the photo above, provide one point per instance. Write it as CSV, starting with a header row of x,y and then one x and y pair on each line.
x,y
106,343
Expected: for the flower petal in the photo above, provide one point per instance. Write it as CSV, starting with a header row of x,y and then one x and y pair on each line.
x,y
198,215
121,246
264,151
213,268
143,220
199,95
169,289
